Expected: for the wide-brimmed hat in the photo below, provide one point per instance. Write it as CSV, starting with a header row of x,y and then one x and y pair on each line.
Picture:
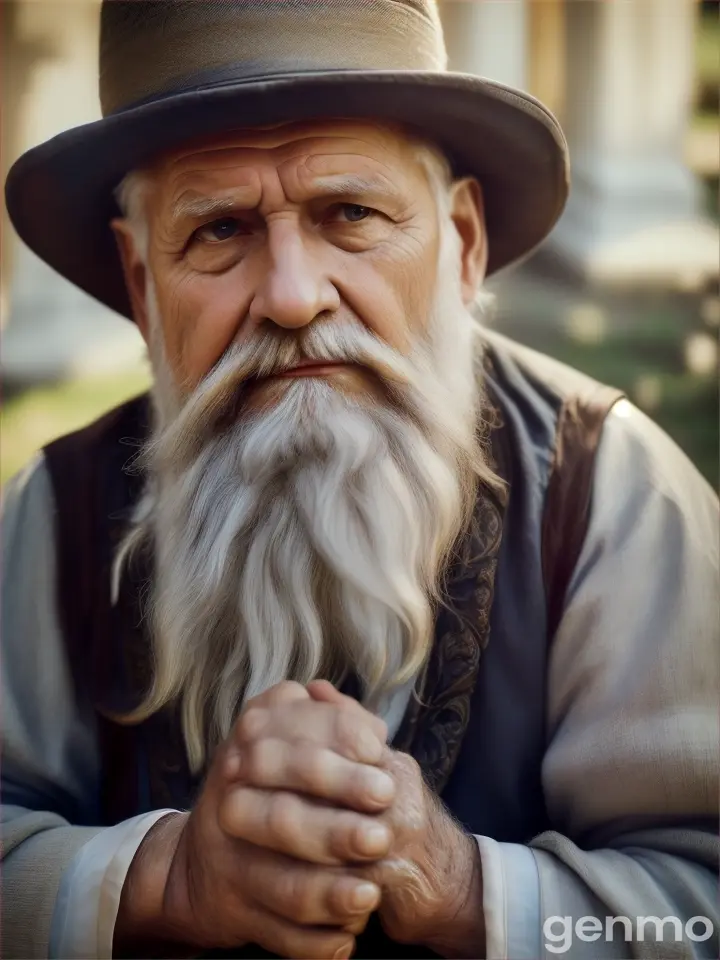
x,y
174,70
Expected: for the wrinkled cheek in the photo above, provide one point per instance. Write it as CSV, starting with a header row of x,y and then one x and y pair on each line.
x,y
201,316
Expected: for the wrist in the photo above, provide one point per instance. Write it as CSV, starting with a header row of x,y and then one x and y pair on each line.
x,y
144,921
459,931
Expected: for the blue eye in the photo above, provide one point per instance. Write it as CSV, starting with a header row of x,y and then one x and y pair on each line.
x,y
219,230
354,212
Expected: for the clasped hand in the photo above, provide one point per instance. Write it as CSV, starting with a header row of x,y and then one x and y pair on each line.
x,y
306,824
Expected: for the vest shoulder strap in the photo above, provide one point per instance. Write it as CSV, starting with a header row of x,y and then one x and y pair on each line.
x,y
568,499
566,410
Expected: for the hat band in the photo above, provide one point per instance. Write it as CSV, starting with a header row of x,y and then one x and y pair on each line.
x,y
250,40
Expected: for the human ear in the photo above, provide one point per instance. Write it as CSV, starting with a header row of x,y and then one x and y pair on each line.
x,y
468,214
135,272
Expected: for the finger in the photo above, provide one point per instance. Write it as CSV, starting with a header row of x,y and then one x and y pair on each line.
x,y
311,895
352,732
287,939
301,828
286,692
316,771
257,710
325,691
356,926
254,717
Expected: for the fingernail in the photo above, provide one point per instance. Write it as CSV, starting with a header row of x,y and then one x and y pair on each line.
x,y
374,839
380,786
364,896
344,952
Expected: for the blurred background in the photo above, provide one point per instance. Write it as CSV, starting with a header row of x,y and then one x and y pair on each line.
x,y
626,287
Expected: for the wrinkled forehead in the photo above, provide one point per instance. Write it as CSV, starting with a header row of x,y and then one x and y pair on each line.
x,y
326,146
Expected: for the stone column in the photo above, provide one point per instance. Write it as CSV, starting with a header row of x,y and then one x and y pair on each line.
x,y
488,38
635,209
51,328
547,53
18,54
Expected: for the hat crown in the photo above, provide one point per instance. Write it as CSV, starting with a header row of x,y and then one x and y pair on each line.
x,y
152,48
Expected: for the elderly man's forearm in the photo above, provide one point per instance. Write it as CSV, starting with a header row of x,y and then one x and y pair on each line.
x,y
143,923
463,937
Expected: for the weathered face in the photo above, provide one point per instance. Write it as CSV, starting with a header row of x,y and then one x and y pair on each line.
x,y
282,226
302,513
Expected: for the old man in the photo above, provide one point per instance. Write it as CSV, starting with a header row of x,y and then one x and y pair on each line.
x,y
368,630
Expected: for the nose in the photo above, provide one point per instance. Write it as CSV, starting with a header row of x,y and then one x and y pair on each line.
x,y
296,287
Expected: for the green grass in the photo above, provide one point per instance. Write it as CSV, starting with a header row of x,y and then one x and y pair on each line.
x,y
31,420
706,121
708,49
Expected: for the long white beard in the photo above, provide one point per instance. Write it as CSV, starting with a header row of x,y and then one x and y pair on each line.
x,y
310,538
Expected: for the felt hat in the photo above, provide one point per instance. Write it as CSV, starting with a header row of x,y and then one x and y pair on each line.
x,y
174,70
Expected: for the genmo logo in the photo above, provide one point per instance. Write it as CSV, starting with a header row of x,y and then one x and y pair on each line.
x,y
560,931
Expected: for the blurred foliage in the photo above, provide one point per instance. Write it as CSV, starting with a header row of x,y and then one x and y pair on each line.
x,y
706,119
708,47
647,362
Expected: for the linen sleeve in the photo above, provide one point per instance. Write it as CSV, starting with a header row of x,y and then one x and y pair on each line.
x,y
630,772
62,874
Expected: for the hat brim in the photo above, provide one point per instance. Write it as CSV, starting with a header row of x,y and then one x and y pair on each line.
x,y
60,194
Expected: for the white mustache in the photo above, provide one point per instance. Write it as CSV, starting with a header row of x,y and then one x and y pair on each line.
x,y
272,353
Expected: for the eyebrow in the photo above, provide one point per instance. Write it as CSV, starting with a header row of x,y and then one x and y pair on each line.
x,y
346,185
199,207
351,184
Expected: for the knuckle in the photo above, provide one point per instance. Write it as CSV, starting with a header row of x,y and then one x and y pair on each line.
x,y
374,785
297,896
283,818
250,724
231,813
312,765
347,731
412,767
286,691
405,767
344,836
259,761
